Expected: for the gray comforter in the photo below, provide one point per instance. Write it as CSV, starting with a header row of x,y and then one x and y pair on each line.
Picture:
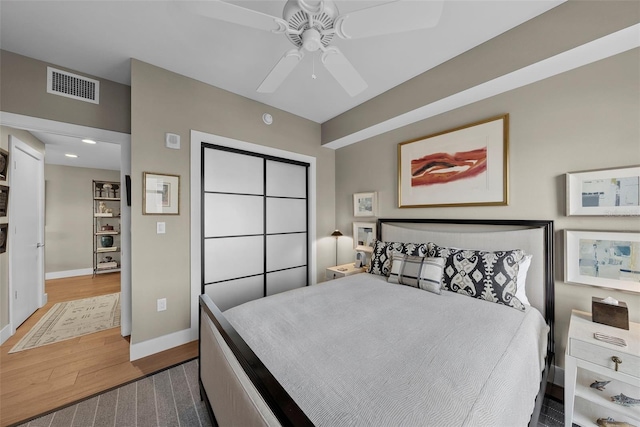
x,y
360,351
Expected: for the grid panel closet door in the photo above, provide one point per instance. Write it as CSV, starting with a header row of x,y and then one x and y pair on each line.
x,y
254,225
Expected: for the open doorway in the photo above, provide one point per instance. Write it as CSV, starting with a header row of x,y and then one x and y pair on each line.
x,y
60,260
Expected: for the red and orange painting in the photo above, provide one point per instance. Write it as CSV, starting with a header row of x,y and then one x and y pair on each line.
x,y
443,168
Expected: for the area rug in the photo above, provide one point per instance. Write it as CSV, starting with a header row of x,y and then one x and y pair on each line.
x,y
71,319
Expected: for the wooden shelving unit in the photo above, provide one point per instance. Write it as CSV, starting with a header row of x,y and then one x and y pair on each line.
x,y
106,227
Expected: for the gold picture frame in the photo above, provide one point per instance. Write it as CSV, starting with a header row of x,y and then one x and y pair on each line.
x,y
160,194
465,166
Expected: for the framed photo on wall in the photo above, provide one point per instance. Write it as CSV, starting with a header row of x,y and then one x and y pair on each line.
x,y
607,192
464,166
603,258
365,204
364,234
160,194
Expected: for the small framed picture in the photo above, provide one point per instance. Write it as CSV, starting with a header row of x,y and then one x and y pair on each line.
x,y
365,204
161,194
603,258
607,192
364,234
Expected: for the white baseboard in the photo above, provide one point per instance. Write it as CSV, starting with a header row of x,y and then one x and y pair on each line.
x,y
68,273
5,334
165,342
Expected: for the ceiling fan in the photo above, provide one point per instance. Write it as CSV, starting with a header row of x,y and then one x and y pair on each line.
x,y
312,24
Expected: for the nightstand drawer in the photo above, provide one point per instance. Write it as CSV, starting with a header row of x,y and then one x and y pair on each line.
x,y
599,355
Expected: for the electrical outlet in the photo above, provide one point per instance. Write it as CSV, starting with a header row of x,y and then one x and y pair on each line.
x,y
162,304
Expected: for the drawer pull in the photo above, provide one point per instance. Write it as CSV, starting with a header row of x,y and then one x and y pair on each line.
x,y
617,361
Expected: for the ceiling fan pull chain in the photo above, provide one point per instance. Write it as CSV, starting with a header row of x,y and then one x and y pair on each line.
x,y
313,69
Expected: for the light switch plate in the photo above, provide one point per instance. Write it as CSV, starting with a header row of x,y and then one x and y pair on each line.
x,y
160,227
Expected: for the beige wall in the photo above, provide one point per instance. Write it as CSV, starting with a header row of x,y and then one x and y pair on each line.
x,y
23,85
162,101
581,120
69,216
33,142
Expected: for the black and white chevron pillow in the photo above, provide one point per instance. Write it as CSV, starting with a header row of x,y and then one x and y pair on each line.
x,y
491,276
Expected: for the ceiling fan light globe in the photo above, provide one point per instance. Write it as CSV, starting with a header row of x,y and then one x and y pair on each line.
x,y
311,40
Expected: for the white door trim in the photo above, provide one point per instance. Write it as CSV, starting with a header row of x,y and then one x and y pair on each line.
x,y
29,123
16,144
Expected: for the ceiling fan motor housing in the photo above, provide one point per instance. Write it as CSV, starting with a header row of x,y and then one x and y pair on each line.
x,y
295,13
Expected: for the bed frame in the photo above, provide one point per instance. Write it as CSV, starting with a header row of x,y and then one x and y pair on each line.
x,y
242,391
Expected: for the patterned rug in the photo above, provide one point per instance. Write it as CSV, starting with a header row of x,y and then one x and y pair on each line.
x,y
72,319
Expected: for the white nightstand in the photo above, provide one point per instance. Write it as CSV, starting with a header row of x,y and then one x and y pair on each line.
x,y
343,270
588,360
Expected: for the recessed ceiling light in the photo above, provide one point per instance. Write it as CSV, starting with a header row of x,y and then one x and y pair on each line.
x,y
71,155
88,141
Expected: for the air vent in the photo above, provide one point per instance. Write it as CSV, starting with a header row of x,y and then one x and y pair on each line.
x,y
73,86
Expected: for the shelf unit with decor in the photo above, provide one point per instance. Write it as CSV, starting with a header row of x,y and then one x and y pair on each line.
x,y
106,227
589,360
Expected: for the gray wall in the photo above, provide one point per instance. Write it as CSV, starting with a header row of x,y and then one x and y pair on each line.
x,y
36,144
162,101
580,120
69,216
23,85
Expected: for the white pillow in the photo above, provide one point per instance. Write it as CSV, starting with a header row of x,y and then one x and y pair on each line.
x,y
522,279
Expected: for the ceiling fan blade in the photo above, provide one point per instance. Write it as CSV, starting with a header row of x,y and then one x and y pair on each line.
x,y
280,72
228,12
395,17
342,70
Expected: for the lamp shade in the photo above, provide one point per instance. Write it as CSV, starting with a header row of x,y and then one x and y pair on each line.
x,y
336,233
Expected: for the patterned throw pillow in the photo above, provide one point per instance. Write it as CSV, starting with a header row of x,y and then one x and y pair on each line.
x,y
491,276
419,272
381,257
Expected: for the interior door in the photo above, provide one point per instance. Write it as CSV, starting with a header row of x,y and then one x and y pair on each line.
x,y
26,224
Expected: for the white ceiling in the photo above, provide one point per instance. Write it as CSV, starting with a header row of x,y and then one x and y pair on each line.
x,y
99,37
102,155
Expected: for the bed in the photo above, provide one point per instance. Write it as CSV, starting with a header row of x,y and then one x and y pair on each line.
x,y
362,351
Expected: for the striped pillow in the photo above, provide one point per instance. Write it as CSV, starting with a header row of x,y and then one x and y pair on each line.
x,y
419,272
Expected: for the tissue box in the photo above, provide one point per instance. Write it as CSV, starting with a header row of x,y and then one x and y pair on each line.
x,y
608,314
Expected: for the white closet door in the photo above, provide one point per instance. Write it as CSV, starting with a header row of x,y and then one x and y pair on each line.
x,y
286,251
235,292
233,257
226,172
286,180
286,215
286,280
255,226
233,215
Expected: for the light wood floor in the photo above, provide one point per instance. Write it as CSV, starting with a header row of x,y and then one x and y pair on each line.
x,y
36,381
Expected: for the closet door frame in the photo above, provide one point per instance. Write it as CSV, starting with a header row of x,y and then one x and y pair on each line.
x,y
265,196
197,139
